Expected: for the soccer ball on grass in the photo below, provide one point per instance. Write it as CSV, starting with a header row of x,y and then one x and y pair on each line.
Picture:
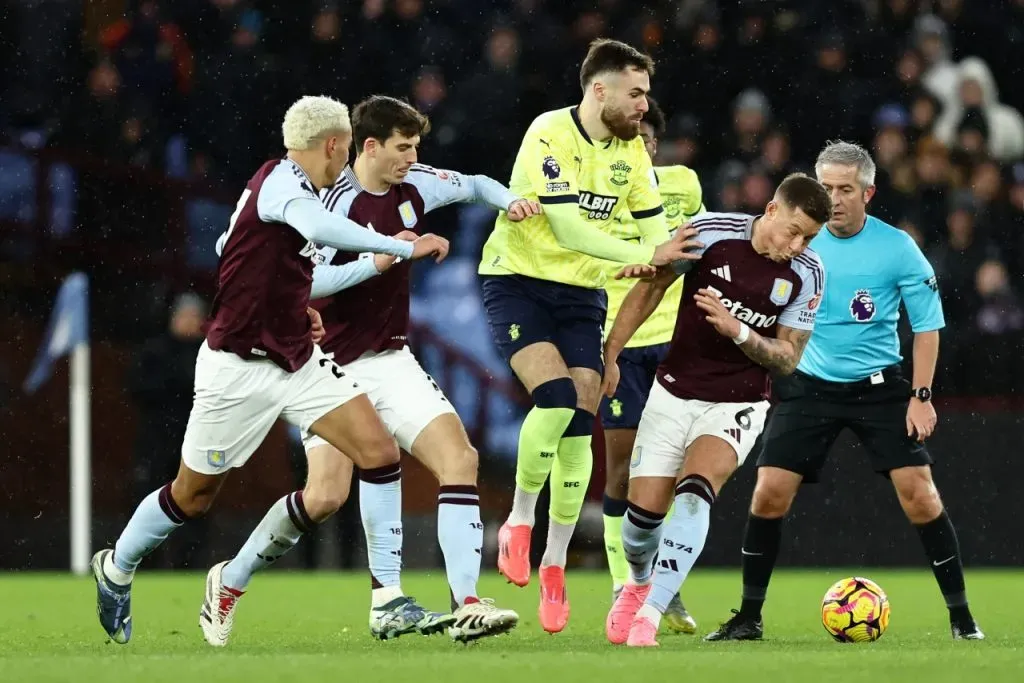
x,y
855,610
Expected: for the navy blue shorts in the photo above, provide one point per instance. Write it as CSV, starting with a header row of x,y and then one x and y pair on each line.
x,y
637,366
523,310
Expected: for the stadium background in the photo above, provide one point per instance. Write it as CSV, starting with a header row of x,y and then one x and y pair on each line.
x,y
128,128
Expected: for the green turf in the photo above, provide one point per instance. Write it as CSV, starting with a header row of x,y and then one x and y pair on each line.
x,y
305,628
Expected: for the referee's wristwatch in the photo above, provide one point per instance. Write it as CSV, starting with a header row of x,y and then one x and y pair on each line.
x,y
923,394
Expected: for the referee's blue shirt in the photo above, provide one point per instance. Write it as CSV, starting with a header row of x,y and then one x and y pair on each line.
x,y
866,277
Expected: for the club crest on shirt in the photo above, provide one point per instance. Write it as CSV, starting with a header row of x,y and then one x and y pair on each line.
x,y
862,306
408,214
620,173
550,168
782,290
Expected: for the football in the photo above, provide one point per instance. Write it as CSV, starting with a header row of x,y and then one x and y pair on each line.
x,y
855,610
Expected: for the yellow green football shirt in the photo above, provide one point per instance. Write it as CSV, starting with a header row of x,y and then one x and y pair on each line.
x,y
558,163
681,196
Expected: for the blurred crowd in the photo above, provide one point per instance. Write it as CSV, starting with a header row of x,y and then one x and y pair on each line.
x,y
753,89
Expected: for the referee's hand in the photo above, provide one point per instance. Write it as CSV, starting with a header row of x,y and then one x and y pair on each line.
x,y
921,419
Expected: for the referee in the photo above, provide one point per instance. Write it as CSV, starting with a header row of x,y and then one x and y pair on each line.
x,y
850,377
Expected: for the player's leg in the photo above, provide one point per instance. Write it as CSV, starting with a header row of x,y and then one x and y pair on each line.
x,y
319,398
425,425
620,416
906,461
524,331
580,315
795,444
719,441
654,465
235,406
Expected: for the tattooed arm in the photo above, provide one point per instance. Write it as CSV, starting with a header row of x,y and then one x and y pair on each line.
x,y
780,355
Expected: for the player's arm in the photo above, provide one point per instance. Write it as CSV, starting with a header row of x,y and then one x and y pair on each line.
x,y
553,177
639,304
441,187
328,280
314,222
782,354
283,199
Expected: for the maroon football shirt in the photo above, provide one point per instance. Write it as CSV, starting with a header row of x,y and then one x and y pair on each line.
x,y
702,364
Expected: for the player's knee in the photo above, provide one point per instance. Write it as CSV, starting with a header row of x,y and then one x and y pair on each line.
x,y
555,393
461,467
380,451
770,500
616,484
322,501
193,501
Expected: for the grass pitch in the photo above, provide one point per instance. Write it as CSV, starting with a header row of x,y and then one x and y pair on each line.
x,y
312,627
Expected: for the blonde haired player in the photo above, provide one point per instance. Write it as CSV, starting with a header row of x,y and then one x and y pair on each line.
x,y
681,196
542,288
259,363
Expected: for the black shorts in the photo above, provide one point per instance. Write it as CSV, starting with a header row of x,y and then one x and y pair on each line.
x,y
808,414
637,368
524,310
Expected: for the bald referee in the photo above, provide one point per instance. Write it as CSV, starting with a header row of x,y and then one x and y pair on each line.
x,y
850,377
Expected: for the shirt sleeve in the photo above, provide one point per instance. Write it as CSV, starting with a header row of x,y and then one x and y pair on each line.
x,y
919,289
550,169
644,200
440,187
802,311
328,280
314,222
279,189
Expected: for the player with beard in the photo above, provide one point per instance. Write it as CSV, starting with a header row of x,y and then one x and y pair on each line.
x,y
542,288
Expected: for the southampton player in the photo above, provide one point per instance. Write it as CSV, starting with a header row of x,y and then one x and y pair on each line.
x,y
681,196
747,310
850,376
259,362
366,335
542,289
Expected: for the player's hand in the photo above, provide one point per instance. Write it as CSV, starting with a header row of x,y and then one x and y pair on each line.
x,y
610,382
521,209
921,419
717,314
384,261
318,324
637,271
430,245
679,248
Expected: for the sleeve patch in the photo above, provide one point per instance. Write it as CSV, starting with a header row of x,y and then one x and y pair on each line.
x,y
551,168
932,283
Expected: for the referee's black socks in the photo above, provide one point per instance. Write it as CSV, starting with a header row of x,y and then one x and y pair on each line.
x,y
943,550
760,549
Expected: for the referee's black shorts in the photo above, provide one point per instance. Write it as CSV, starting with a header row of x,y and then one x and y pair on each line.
x,y
809,413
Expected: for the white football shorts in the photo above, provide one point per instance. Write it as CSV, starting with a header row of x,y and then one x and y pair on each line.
x,y
670,424
237,402
403,394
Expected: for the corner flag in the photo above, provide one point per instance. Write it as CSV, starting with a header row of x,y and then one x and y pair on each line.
x,y
68,334
69,327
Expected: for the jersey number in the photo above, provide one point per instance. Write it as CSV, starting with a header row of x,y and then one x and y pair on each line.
x,y
743,418
335,370
238,210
